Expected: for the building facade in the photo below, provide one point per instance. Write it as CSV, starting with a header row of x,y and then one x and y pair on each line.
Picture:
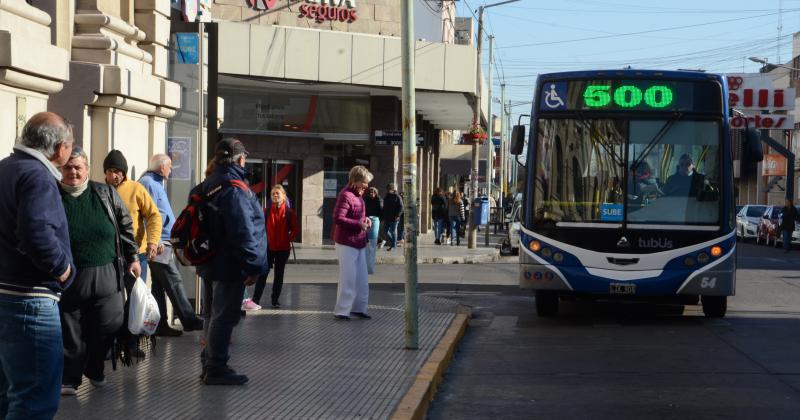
x,y
314,89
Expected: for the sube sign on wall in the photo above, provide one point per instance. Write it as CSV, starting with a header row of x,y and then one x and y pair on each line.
x,y
319,10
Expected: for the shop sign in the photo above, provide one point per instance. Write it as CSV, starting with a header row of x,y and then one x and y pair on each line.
x,y
187,48
773,165
755,91
333,10
763,121
394,138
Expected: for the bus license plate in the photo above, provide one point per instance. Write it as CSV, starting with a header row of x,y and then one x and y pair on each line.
x,y
623,288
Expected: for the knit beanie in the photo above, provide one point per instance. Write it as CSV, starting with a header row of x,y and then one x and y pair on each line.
x,y
115,160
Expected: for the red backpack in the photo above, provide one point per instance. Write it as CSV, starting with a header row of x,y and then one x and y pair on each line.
x,y
190,235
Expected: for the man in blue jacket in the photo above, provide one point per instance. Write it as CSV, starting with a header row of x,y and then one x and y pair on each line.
x,y
164,271
35,267
238,233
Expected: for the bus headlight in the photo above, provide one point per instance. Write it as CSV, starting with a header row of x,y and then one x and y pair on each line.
x,y
716,251
535,246
702,258
547,252
558,257
689,261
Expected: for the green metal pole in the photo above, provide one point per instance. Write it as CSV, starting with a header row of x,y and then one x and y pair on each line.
x,y
410,175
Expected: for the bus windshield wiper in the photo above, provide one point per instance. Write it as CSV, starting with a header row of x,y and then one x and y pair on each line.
x,y
656,139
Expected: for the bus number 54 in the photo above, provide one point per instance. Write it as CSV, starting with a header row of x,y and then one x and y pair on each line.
x,y
708,283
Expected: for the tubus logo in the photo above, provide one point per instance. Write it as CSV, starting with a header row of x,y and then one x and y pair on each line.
x,y
623,242
663,243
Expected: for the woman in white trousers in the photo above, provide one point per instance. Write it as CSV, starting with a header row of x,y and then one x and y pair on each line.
x,y
350,226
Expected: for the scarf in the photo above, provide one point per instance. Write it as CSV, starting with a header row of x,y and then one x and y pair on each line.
x,y
76,190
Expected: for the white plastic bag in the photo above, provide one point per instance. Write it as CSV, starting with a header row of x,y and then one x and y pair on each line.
x,y
143,314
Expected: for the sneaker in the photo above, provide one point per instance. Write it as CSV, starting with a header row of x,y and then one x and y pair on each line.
x,y
276,304
224,376
69,390
342,317
361,315
249,305
98,382
437,242
389,248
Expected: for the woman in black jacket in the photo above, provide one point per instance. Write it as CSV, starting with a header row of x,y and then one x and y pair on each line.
x,y
103,249
374,207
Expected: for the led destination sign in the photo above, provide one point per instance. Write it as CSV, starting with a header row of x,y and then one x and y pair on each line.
x,y
630,95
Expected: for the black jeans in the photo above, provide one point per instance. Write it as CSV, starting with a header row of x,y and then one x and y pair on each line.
x,y
167,279
222,302
277,262
91,314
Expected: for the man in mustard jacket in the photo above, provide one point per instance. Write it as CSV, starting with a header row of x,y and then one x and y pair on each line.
x,y
143,211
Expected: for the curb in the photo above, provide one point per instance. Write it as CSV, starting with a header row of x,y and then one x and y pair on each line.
x,y
415,403
467,259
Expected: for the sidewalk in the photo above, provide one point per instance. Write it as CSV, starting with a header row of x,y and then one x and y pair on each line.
x,y
427,252
302,364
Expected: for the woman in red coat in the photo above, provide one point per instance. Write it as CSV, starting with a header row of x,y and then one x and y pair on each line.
x,y
282,229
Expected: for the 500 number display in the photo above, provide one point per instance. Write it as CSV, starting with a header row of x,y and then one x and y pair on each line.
x,y
627,96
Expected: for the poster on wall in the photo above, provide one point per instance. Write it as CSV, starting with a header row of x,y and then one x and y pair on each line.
x,y
329,188
179,150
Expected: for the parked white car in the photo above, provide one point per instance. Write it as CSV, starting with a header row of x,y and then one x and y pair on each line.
x,y
747,221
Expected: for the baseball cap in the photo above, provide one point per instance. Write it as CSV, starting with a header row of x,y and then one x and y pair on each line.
x,y
230,146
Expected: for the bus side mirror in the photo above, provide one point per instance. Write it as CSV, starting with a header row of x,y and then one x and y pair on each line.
x,y
752,150
517,140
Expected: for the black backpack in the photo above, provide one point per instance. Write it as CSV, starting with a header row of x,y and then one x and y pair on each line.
x,y
190,235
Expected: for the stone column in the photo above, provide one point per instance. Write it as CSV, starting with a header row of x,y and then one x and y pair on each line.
x,y
31,67
117,95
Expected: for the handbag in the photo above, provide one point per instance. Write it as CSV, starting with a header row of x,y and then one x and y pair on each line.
x,y
143,314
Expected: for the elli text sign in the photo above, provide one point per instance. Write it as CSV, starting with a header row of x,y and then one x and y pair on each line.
x,y
755,91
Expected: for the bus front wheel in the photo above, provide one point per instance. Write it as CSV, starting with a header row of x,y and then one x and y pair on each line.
x,y
714,306
546,303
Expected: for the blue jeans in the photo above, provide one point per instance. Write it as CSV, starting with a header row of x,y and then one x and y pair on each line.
x,y
143,263
224,303
391,233
438,228
455,223
787,239
31,357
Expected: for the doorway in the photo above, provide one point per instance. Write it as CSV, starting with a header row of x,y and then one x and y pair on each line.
x,y
265,173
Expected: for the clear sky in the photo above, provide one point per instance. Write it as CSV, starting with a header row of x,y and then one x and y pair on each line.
x,y
532,37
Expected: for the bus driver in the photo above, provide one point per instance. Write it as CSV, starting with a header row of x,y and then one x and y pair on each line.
x,y
685,182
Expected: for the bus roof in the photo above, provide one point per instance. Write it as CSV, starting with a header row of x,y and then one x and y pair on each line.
x,y
649,74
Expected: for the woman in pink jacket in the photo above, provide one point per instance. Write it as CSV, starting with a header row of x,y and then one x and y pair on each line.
x,y
350,225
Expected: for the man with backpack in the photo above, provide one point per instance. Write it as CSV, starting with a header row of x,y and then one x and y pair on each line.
x,y
235,227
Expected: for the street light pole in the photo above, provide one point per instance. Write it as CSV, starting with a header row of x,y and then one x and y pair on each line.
x,y
410,175
503,155
489,143
472,235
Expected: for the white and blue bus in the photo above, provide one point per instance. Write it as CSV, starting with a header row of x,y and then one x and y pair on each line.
x,y
629,189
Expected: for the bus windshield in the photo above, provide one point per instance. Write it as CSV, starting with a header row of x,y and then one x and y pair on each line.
x,y
643,172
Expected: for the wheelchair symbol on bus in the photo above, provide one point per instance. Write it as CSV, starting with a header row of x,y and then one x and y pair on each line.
x,y
553,94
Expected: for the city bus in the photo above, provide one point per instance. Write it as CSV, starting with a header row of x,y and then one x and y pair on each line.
x,y
629,190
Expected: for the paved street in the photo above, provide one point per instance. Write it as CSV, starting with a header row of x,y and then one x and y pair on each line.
x,y
633,361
